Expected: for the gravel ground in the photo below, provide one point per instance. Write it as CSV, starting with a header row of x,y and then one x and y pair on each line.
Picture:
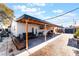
x,y
6,45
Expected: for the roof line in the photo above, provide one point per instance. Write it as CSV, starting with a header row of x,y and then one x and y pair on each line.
x,y
34,18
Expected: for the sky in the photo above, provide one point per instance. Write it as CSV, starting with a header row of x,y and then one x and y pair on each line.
x,y
48,10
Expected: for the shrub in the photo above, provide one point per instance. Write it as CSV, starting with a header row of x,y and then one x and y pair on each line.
x,y
76,33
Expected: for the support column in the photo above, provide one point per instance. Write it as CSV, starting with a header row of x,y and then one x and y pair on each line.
x,y
27,35
45,33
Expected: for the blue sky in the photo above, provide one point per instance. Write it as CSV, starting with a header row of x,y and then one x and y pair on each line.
x,y
47,10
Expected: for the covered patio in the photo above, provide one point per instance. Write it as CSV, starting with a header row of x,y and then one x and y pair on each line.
x,y
39,40
46,27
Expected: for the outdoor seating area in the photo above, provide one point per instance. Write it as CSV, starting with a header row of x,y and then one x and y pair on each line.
x,y
39,40
20,41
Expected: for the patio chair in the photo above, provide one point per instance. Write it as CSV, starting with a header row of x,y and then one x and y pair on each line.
x,y
31,36
24,36
40,34
49,34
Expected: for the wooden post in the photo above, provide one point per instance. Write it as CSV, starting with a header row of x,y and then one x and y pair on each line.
x,y
45,32
27,35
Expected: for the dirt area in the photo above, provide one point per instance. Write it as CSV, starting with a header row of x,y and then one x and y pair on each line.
x,y
56,48
7,48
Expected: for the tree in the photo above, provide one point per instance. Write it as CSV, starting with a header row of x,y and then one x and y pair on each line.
x,y
6,15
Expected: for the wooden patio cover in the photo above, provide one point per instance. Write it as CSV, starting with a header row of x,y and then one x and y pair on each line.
x,y
31,20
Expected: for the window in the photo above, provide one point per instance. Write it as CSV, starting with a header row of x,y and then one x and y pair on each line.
x,y
41,27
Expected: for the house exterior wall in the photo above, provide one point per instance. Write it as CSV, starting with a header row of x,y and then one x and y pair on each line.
x,y
19,28
30,26
14,28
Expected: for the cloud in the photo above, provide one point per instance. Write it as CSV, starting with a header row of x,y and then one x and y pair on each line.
x,y
34,11
20,7
66,19
39,13
23,8
58,11
37,4
29,10
66,16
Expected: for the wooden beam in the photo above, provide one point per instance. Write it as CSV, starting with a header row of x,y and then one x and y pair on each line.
x,y
36,22
27,35
30,21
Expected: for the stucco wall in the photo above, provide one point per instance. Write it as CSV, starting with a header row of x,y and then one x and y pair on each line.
x,y
14,28
19,28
